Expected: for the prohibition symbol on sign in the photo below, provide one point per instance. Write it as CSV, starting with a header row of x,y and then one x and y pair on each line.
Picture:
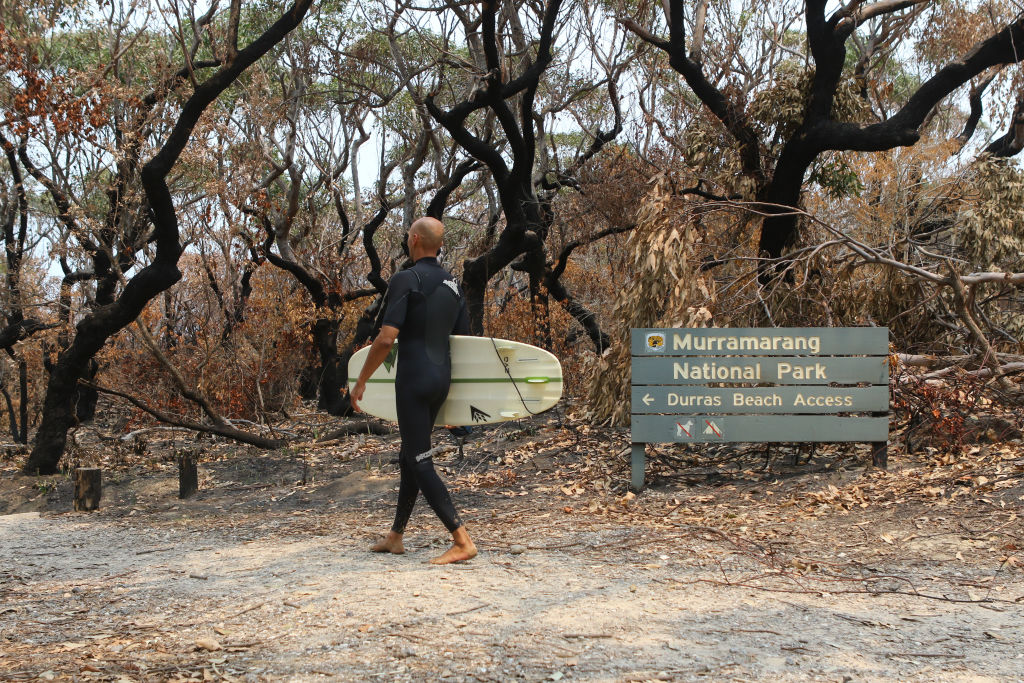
x,y
712,428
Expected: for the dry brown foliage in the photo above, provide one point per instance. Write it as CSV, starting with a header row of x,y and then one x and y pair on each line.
x,y
512,316
253,372
668,290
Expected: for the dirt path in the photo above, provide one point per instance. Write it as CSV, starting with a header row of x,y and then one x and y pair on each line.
x,y
257,582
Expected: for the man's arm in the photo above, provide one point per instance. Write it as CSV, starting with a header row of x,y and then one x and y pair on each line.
x,y
379,350
394,317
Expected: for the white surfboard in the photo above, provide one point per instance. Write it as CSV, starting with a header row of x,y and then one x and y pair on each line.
x,y
493,380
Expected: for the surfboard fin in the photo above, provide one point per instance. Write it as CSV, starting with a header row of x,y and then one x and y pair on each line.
x,y
510,414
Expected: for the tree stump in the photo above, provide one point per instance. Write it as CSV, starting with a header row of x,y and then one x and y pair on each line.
x,y
188,474
88,488
880,454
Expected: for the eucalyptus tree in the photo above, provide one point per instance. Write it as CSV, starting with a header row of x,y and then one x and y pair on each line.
x,y
154,83
64,134
791,86
516,89
79,135
335,91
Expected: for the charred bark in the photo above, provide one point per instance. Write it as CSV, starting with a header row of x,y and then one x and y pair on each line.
x,y
525,199
364,332
330,378
331,375
515,185
18,327
436,207
1012,142
553,283
86,397
22,435
21,330
583,315
324,330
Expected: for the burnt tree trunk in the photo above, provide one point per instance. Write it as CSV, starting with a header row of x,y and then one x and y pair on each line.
x,y
534,264
583,315
515,240
781,197
525,200
365,328
188,474
12,417
22,435
553,281
86,396
514,184
330,379
88,488
18,419
308,381
17,326
59,403
330,375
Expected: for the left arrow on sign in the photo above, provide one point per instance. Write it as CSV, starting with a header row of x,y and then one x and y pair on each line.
x,y
647,399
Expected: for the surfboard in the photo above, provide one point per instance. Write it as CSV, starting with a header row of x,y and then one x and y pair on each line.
x,y
493,380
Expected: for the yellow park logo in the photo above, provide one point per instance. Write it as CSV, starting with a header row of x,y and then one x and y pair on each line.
x,y
655,342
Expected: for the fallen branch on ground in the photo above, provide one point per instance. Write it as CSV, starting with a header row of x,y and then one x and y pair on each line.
x,y
912,360
225,430
980,373
354,428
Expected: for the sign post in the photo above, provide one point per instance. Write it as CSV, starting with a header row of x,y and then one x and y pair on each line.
x,y
734,385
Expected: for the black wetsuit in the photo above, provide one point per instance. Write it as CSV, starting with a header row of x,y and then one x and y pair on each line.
x,y
426,305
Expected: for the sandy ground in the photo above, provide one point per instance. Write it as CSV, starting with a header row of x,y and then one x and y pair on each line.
x,y
778,578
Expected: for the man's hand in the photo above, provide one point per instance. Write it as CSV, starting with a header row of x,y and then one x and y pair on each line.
x,y
356,395
379,350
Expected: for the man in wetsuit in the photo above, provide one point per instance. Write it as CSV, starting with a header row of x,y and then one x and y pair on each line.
x,y
424,305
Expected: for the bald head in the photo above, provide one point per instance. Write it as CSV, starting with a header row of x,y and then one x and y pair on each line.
x,y
430,232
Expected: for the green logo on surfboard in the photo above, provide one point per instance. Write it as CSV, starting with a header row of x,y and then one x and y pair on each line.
x,y
389,362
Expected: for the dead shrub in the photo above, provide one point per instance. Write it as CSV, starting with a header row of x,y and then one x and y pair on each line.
x,y
513,316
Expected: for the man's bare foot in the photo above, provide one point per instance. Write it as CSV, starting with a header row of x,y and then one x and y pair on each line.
x,y
392,543
462,549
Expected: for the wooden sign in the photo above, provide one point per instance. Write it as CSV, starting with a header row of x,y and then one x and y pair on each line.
x,y
761,385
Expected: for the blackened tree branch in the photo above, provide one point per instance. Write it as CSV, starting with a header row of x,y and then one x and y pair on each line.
x,y
1012,142
437,204
21,330
977,109
729,113
225,430
563,258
